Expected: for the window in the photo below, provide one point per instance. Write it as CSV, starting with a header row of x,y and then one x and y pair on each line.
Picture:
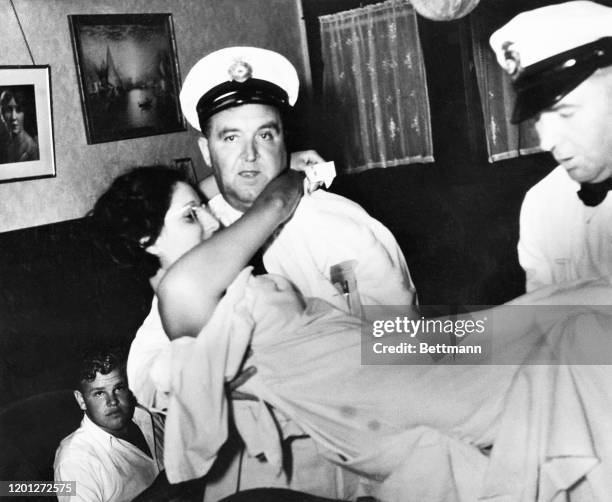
x,y
374,86
504,140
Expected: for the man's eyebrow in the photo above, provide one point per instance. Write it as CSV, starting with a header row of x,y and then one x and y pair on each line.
x,y
226,130
273,124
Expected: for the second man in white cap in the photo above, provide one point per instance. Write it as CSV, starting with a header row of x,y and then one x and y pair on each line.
x,y
560,60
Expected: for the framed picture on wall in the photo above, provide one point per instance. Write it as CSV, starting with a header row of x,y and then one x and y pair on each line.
x,y
185,165
26,126
128,75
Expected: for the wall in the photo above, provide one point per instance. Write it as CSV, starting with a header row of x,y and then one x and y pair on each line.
x,y
84,170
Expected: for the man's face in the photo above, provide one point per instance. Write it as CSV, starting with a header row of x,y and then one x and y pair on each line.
x,y
578,129
246,149
107,401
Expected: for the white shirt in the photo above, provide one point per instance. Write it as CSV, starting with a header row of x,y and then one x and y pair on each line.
x,y
150,351
561,239
325,230
107,468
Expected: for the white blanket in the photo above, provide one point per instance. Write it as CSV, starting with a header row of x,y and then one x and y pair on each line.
x,y
417,431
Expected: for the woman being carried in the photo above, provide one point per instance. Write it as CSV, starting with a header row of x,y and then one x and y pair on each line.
x,y
418,432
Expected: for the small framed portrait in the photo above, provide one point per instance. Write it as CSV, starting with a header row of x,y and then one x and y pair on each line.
x,y
26,126
185,165
128,75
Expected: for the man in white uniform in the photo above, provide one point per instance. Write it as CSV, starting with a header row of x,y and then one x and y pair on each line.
x,y
560,60
238,97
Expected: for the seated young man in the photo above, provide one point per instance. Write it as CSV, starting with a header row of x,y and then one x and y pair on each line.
x,y
116,453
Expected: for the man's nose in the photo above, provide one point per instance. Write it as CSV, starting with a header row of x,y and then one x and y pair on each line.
x,y
250,153
548,132
112,399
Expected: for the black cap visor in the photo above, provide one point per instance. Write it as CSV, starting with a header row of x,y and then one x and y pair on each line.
x,y
543,84
232,93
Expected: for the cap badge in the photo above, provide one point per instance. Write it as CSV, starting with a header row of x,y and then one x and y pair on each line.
x,y
240,71
512,59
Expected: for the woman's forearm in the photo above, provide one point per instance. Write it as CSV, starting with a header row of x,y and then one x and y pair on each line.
x,y
192,287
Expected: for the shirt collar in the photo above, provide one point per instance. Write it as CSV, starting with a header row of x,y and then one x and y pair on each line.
x,y
106,439
95,431
223,210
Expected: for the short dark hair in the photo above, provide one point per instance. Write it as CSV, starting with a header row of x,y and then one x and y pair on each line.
x,y
129,216
100,360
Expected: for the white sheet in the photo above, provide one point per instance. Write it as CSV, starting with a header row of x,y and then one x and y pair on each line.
x,y
417,431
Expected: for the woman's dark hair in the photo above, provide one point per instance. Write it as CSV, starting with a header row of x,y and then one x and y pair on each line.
x,y
8,95
129,216
24,99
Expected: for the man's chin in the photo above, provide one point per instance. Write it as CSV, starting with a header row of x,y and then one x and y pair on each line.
x,y
120,415
117,422
578,176
244,201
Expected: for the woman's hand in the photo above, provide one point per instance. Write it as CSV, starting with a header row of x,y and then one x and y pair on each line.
x,y
300,160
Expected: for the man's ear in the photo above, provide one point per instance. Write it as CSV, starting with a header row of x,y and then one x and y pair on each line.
x,y
203,144
79,399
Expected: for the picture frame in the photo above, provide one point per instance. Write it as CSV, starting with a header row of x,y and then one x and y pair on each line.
x,y
128,75
185,166
27,149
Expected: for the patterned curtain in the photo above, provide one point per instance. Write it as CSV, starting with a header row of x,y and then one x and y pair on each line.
x,y
504,140
374,86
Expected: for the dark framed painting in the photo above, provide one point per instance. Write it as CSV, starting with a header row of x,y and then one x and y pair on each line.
x,y
128,75
185,165
26,125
